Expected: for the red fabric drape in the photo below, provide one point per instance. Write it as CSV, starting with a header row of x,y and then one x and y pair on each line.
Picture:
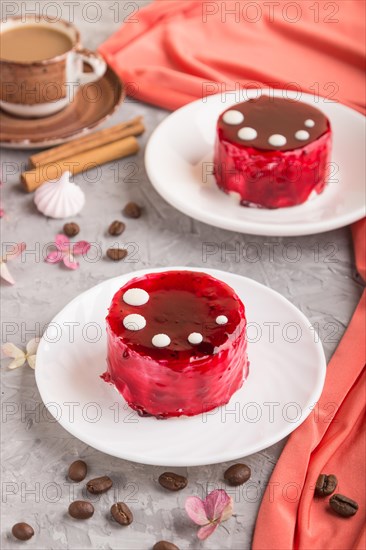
x,y
175,51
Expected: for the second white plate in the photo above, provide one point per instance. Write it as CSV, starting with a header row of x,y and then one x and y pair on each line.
x,y
179,162
287,371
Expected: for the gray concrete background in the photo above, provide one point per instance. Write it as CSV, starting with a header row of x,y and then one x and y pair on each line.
x,y
36,452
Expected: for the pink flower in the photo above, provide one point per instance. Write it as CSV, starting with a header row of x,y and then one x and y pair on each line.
x,y
65,251
209,513
17,249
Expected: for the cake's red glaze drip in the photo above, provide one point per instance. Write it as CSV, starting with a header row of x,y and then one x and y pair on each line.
x,y
272,179
181,379
263,175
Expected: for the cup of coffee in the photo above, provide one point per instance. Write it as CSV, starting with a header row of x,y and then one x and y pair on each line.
x,y
42,66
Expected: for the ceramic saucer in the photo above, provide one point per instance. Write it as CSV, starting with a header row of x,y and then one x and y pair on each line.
x,y
179,162
92,105
286,377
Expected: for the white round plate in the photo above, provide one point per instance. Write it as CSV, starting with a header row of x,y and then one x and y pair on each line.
x,y
179,163
287,370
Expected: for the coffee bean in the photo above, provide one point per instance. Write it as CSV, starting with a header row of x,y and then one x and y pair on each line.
x,y
173,482
81,509
121,513
325,485
99,485
71,229
343,506
165,545
116,228
78,470
116,254
237,474
22,531
132,210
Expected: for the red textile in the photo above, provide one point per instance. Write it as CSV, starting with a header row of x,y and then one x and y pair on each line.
x,y
331,440
175,51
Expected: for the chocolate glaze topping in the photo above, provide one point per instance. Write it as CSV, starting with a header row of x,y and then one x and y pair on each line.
x,y
180,303
277,117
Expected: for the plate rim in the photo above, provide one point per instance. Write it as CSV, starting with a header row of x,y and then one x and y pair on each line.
x,y
186,462
245,226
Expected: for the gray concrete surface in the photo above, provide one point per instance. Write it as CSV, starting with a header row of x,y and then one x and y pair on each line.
x,y
36,452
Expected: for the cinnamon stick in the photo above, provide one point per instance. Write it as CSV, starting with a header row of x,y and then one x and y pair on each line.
x,y
80,162
133,127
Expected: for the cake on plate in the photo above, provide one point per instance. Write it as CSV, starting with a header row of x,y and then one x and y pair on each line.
x,y
176,343
272,152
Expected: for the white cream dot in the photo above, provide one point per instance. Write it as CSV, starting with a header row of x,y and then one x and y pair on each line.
x,y
233,117
160,340
277,140
247,133
221,320
195,338
302,135
309,123
136,297
134,321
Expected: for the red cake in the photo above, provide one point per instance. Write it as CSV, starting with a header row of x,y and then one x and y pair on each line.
x,y
176,343
272,152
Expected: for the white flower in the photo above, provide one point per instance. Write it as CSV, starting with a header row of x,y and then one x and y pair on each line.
x,y
18,355
17,249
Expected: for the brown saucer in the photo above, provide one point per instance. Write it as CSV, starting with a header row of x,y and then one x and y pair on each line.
x,y
81,116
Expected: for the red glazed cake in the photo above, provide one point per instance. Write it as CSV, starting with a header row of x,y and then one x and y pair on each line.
x,y
176,343
272,152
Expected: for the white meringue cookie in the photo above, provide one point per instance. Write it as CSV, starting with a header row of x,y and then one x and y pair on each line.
x,y
59,198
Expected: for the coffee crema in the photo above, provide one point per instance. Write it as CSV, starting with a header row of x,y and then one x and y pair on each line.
x,y
30,43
